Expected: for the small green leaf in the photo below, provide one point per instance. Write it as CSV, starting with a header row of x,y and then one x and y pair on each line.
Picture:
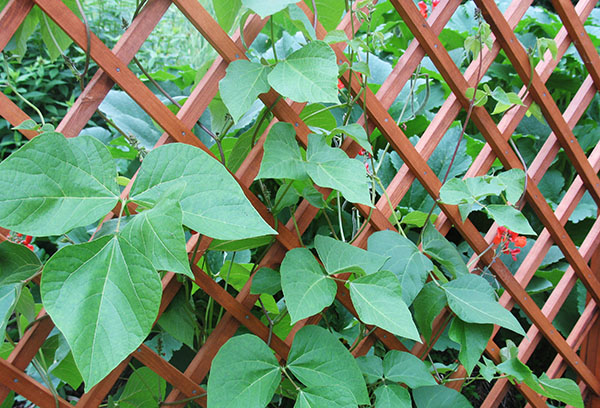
x,y
455,191
94,290
409,265
473,300
562,389
212,201
513,182
335,36
244,373
282,157
331,167
403,367
371,367
392,396
317,359
144,388
63,184
242,84
481,97
179,319
309,74
266,8
307,290
378,300
159,234
9,296
17,263
338,256
509,217
439,248
28,124
473,338
330,396
427,305
439,396
357,133
266,280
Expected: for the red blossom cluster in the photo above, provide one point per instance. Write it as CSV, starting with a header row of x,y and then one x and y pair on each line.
x,y
340,84
506,236
363,152
25,241
423,7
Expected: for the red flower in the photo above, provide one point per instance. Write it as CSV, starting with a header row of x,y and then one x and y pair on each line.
x,y
514,253
423,8
340,84
29,246
520,241
27,240
434,3
506,236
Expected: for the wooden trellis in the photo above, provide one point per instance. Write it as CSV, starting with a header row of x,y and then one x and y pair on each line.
x,y
114,70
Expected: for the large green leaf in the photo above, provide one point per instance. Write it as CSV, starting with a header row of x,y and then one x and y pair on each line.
x,y
307,290
510,217
282,157
212,201
473,300
53,184
331,167
330,396
179,319
338,256
473,338
329,12
317,359
244,373
371,367
427,305
241,86
158,234
93,292
403,367
439,396
439,248
378,300
309,74
144,389
266,8
392,396
406,261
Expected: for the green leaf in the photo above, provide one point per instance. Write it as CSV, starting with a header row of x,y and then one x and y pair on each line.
x,y
427,305
403,367
513,182
455,191
409,265
9,296
338,256
266,8
371,367
317,358
266,280
313,116
17,263
331,167
378,300
562,389
330,396
94,290
143,389
307,290
357,133
62,184
179,319
392,396
309,74
233,245
473,338
473,300
212,201
329,12
244,373
282,157
439,248
226,12
54,38
509,217
439,396
242,84
335,36
521,373
300,20
159,234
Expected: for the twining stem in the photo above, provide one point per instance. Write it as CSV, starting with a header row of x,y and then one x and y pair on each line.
x,y
387,197
17,93
339,208
273,40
